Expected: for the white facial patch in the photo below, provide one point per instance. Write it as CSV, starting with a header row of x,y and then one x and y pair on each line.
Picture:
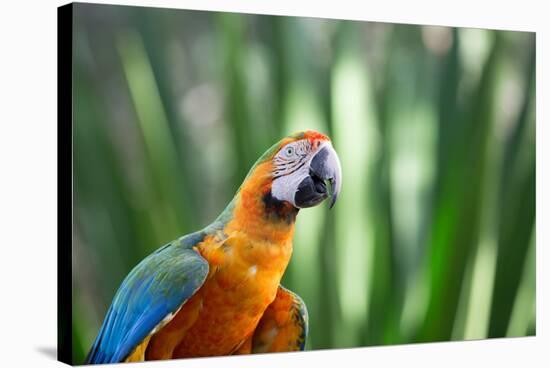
x,y
285,187
291,167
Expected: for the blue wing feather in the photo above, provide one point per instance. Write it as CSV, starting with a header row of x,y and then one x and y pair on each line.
x,y
156,287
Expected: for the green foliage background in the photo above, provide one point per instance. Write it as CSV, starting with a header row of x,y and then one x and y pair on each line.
x,y
433,236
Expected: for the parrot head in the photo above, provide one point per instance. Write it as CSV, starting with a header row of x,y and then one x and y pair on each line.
x,y
302,167
300,171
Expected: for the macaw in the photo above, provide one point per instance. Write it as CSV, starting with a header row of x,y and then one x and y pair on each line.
x,y
217,291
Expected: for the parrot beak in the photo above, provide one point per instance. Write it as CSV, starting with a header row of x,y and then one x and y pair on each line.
x,y
324,166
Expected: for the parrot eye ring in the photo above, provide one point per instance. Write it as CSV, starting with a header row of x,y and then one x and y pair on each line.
x,y
289,151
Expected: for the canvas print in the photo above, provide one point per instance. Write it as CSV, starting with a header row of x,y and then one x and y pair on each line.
x,y
244,184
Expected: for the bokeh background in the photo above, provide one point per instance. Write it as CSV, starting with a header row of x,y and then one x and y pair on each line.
x,y
433,236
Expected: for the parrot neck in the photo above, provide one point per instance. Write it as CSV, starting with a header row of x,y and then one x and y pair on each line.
x,y
263,217
257,213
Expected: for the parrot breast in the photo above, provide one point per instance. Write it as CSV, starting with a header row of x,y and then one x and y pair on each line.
x,y
247,259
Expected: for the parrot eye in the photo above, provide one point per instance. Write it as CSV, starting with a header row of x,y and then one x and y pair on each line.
x,y
289,151
290,158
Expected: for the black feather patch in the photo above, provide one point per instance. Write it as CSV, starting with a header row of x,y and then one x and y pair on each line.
x,y
278,210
